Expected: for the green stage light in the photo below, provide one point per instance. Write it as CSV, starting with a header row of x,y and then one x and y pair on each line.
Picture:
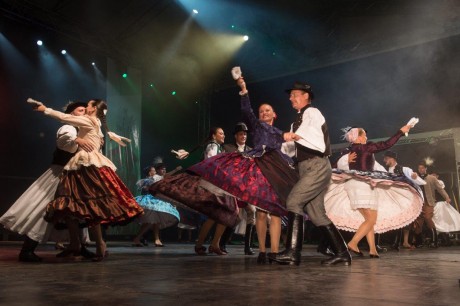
x,y
125,75
173,93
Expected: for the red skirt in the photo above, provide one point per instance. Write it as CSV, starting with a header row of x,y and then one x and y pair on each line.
x,y
93,196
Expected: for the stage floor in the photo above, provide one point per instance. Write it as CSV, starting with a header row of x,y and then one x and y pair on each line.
x,y
174,275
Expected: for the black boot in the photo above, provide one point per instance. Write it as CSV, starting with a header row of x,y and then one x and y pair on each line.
x,y
27,252
419,240
397,242
338,245
291,255
377,244
324,246
248,239
226,236
434,238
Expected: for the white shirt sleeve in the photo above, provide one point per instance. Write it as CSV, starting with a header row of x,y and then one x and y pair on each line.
x,y
379,167
288,148
311,130
408,173
65,138
211,150
342,163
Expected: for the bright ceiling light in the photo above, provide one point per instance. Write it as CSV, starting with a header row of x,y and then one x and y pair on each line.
x,y
246,38
195,11
39,42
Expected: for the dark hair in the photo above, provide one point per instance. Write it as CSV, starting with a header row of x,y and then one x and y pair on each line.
x,y
101,106
212,131
147,170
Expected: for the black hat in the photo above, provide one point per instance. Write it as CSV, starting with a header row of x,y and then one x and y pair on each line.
x,y
301,86
73,105
159,166
240,127
391,154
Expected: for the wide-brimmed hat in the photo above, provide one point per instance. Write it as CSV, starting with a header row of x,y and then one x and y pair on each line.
x,y
301,86
391,154
240,127
73,105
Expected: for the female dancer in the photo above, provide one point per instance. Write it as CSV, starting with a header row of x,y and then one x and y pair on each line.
x,y
356,194
158,214
89,190
262,177
25,216
215,141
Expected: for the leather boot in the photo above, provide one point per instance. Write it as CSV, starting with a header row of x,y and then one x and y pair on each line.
x,y
248,239
226,236
377,244
338,245
291,255
27,252
434,238
324,246
397,242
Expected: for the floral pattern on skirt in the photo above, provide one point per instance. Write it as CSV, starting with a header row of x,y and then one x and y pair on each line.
x,y
187,190
242,177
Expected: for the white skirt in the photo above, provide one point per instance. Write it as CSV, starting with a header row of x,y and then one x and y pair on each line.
x,y
446,218
25,216
398,204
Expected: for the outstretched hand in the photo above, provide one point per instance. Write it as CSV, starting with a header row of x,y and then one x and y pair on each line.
x,y
181,154
37,105
405,129
118,139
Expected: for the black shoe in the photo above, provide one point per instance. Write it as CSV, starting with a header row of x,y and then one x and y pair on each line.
x,y
374,256
434,239
325,250
380,249
262,258
342,255
144,242
248,239
292,254
29,257
87,253
68,253
357,253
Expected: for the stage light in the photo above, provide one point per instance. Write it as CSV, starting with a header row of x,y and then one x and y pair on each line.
x,y
232,26
93,63
173,93
39,42
63,52
195,11
151,85
246,38
125,75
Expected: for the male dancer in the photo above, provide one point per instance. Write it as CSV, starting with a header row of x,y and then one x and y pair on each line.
x,y
429,190
241,134
390,159
312,148
25,216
